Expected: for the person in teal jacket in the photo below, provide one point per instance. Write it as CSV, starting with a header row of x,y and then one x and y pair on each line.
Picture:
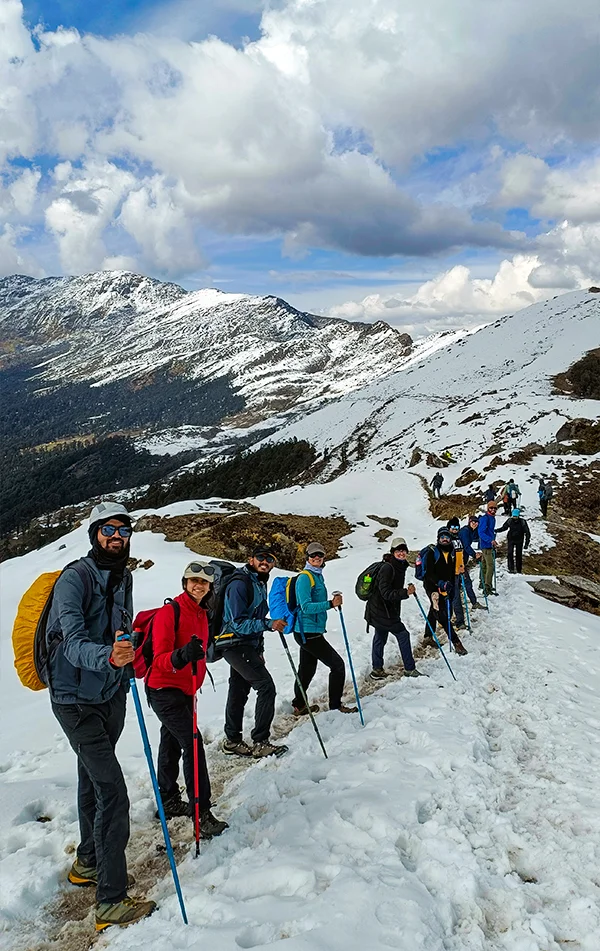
x,y
309,628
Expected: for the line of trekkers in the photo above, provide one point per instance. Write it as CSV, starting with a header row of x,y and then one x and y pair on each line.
x,y
221,612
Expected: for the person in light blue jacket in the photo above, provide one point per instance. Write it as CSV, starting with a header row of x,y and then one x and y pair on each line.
x,y
313,603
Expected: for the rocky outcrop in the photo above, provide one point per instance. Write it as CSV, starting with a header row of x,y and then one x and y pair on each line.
x,y
573,591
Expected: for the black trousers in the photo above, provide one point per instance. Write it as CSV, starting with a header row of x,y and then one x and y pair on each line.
x,y
175,710
515,556
248,672
314,650
102,801
544,507
441,616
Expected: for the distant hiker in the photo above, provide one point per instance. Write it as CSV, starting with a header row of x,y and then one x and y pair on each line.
x,y
309,629
487,545
518,538
545,493
463,549
439,581
436,484
489,495
245,619
510,496
88,687
382,611
179,639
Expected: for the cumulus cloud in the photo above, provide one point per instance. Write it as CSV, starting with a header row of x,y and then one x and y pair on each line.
x,y
572,193
308,134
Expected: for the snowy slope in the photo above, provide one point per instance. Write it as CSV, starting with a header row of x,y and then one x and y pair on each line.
x,y
500,375
274,355
463,817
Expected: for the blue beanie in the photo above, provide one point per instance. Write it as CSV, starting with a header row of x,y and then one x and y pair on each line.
x,y
516,513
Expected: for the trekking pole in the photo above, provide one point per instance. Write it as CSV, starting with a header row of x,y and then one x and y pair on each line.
x,y
450,646
195,740
466,600
494,557
345,633
303,692
147,750
433,634
487,604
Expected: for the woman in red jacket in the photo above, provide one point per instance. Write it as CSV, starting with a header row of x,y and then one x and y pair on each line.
x,y
169,686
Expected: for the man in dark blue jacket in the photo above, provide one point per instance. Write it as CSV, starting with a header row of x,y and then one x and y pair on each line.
x,y
88,685
245,620
462,540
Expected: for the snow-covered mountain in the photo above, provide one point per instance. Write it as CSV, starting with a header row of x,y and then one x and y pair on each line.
x,y
481,399
115,325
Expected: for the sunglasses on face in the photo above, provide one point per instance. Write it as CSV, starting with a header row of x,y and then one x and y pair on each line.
x,y
317,554
109,530
205,569
267,558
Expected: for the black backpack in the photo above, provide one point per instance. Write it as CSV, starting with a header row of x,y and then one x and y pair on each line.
x,y
225,572
365,583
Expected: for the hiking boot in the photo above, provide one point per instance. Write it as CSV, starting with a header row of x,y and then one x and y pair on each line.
x,y
459,647
85,875
428,641
493,593
414,673
304,711
210,825
343,708
378,673
174,807
122,913
236,748
266,748
460,627
478,607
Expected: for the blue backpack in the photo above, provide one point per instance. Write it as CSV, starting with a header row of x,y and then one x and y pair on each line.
x,y
282,599
421,561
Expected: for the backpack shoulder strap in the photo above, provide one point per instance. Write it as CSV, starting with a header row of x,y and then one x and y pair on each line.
x,y
311,577
176,612
86,579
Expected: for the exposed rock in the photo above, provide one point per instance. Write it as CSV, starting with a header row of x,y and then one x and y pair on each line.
x,y
415,458
583,435
496,461
384,520
522,457
234,535
383,534
466,477
582,379
572,591
593,290
436,462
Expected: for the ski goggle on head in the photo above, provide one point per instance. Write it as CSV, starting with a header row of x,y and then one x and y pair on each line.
x,y
124,531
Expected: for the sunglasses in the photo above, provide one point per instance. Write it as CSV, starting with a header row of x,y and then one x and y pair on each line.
x,y
109,530
317,554
205,569
268,558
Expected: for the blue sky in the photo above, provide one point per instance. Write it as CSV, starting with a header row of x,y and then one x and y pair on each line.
x,y
363,158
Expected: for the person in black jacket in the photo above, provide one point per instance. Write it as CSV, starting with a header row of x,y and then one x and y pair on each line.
x,y
518,533
383,610
439,581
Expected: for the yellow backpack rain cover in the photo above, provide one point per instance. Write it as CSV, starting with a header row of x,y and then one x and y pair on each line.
x,y
29,614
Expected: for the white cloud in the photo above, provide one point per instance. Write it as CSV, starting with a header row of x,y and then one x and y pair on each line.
x,y
306,135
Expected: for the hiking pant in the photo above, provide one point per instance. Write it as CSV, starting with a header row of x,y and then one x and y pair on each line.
x,y
487,559
507,507
248,672
442,617
515,556
314,650
544,507
459,599
102,802
175,710
437,489
380,640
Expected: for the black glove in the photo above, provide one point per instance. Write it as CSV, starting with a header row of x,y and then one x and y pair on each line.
x,y
193,651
